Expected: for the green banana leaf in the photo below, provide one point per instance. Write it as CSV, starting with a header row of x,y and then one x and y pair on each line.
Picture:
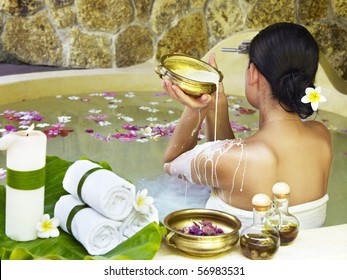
x,y
141,246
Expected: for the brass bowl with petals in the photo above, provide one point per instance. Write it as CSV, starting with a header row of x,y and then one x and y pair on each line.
x,y
201,246
171,67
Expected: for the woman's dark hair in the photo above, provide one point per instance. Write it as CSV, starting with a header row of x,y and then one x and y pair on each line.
x,y
287,55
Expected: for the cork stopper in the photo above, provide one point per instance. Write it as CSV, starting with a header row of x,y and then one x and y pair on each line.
x,y
261,202
281,189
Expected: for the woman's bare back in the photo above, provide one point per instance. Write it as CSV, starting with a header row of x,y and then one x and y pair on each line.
x,y
298,154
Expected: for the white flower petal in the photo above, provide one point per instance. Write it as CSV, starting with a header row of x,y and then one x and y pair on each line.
x,y
55,222
54,232
305,99
39,226
45,217
43,234
309,90
314,106
144,192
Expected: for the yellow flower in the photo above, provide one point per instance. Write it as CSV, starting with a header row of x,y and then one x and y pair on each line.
x,y
47,227
142,202
313,96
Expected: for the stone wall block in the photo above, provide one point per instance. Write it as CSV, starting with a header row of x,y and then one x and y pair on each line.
x,y
1,23
21,8
223,18
143,9
340,8
60,3
134,45
332,40
37,43
100,15
121,33
265,12
197,4
189,36
63,17
312,10
165,12
90,50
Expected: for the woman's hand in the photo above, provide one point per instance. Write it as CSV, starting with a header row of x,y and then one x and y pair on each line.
x,y
175,92
217,119
221,93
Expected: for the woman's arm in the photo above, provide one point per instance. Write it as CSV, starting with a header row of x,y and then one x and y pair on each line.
x,y
223,129
197,110
186,132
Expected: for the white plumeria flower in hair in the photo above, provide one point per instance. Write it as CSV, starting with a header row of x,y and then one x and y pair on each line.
x,y
142,202
313,96
47,227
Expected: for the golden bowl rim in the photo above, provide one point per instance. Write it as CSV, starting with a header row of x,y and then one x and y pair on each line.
x,y
164,57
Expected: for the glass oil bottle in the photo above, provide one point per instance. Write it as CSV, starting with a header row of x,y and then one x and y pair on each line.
x,y
261,240
287,224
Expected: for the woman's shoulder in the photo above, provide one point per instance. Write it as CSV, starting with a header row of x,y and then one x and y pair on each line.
x,y
318,128
253,150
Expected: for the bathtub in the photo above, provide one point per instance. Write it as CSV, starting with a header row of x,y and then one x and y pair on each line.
x,y
142,78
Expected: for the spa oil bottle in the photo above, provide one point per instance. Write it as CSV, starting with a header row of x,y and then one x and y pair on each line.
x,y
261,240
287,224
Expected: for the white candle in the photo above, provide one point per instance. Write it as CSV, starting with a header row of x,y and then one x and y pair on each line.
x,y
25,161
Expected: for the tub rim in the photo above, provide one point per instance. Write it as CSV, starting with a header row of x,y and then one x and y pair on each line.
x,y
142,77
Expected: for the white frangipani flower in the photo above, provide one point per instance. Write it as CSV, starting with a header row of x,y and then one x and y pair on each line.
x,y
313,96
104,123
147,131
152,119
47,227
94,111
142,202
130,94
64,119
42,125
74,97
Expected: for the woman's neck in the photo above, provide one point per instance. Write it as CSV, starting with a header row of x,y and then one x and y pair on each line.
x,y
275,117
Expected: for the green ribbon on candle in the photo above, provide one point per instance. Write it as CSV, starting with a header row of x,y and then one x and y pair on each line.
x,y
26,180
72,214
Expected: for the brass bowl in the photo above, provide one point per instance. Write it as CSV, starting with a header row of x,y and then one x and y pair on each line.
x,y
171,67
202,246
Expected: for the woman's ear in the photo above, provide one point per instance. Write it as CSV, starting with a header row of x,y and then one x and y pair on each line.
x,y
253,74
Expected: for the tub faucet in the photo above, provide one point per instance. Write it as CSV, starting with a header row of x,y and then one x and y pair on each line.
x,y
243,48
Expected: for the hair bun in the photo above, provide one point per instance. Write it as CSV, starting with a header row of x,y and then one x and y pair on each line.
x,y
292,87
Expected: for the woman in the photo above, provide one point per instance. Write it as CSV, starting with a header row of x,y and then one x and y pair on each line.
x,y
283,61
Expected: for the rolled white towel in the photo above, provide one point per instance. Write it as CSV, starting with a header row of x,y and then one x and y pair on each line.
x,y
137,220
95,232
101,189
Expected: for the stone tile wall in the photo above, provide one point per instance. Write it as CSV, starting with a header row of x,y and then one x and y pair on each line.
x,y
121,33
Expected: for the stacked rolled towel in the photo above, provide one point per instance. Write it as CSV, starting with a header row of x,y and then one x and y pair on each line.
x,y
95,232
100,188
101,210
